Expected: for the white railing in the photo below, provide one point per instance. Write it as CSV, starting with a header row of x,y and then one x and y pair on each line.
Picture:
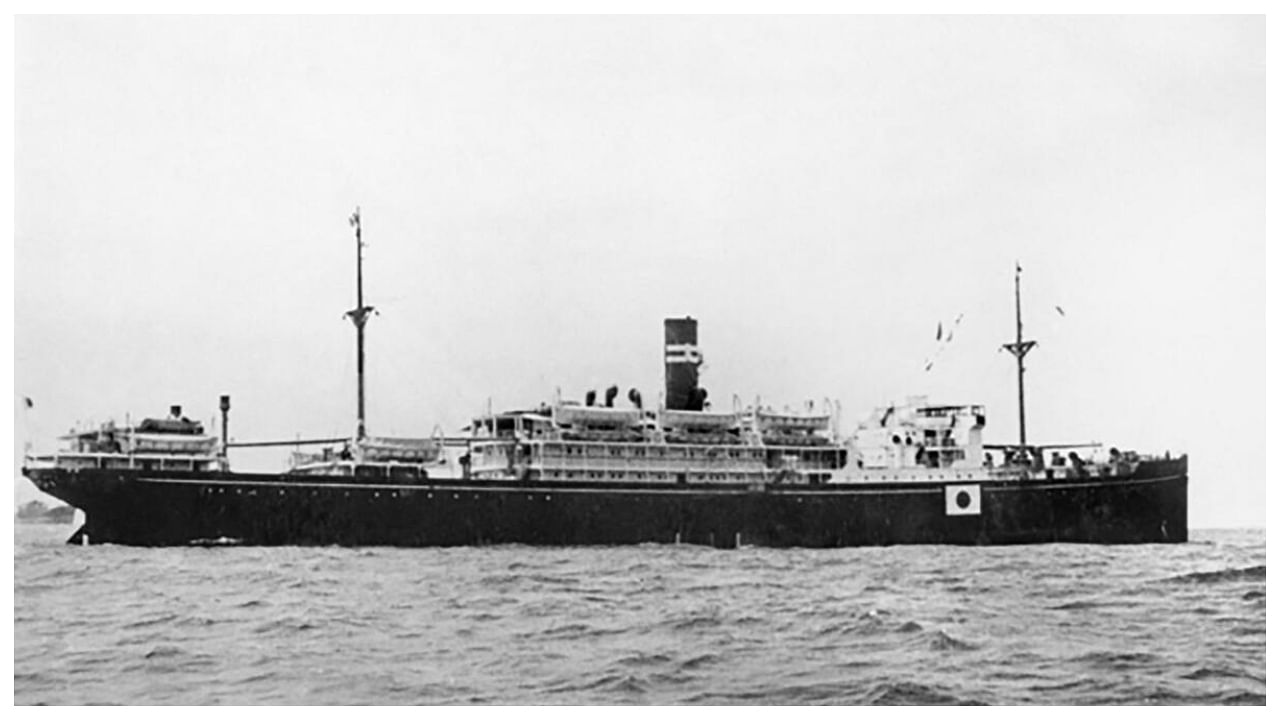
x,y
129,461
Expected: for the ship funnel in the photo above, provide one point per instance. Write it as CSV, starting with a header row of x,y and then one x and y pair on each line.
x,y
224,404
682,360
175,411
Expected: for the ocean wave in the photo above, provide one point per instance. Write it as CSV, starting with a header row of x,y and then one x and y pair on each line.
x,y
697,620
1217,672
1111,660
571,631
1094,604
912,693
1237,697
285,625
605,684
198,621
257,678
699,661
801,693
163,619
1256,572
171,659
644,660
497,580
654,625
940,641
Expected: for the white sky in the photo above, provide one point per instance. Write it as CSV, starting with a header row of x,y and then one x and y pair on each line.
x,y
539,193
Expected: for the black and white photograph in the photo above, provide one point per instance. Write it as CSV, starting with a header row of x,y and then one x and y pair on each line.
x,y
616,360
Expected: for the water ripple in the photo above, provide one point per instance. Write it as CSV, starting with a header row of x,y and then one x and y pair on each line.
x,y
641,625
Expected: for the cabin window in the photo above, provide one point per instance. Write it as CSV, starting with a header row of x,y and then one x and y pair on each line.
x,y
368,471
405,473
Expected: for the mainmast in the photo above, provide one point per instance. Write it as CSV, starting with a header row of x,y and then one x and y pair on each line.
x,y
359,316
1019,349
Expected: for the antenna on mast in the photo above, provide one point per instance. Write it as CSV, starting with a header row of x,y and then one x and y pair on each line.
x,y
1019,350
359,316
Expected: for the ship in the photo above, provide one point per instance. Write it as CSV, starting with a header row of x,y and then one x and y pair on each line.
x,y
609,470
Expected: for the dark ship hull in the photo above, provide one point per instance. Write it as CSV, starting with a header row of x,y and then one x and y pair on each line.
x,y
181,508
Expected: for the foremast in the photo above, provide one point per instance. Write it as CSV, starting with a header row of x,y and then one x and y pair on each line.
x,y
359,316
1019,350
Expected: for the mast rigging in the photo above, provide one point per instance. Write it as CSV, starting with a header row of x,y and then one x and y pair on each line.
x,y
1019,350
359,316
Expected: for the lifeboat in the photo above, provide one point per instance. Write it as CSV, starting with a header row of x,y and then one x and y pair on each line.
x,y
598,416
697,419
783,421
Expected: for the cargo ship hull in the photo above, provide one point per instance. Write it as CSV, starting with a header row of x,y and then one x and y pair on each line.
x,y
133,507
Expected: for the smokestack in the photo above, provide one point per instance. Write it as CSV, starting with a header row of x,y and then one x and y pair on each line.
x,y
175,411
682,360
224,404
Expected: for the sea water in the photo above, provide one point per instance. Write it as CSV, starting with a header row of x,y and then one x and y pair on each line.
x,y
659,624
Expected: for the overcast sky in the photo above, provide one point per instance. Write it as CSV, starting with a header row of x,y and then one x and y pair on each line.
x,y
539,193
